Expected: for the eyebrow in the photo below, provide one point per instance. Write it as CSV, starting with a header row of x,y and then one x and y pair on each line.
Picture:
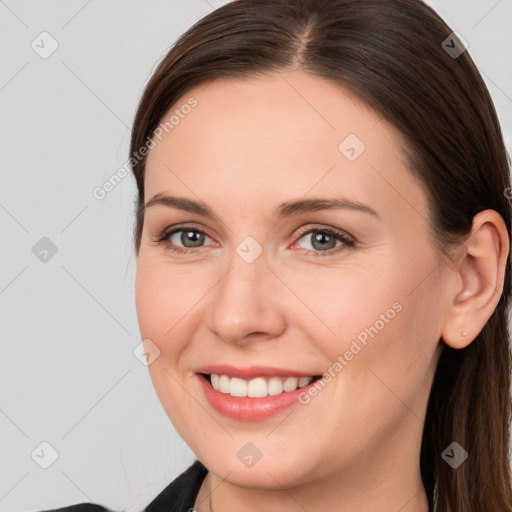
x,y
286,209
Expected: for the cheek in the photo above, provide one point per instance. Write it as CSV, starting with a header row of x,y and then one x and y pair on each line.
x,y
165,299
344,304
372,318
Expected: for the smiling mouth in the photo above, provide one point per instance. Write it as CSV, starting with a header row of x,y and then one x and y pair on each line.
x,y
259,387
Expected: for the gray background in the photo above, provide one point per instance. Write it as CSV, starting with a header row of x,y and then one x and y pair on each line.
x,y
68,373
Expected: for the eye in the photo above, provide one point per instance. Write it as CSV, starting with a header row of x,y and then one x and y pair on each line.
x,y
189,238
186,239
325,241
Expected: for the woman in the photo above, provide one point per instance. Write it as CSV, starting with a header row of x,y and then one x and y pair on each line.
x,y
374,377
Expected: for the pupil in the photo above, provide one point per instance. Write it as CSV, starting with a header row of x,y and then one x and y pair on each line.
x,y
192,236
322,238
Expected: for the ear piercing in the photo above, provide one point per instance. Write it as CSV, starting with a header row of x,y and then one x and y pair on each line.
x,y
463,335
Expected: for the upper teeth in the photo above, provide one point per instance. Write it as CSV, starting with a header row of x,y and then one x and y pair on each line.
x,y
259,387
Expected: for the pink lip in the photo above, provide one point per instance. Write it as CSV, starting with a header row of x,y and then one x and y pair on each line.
x,y
251,372
246,408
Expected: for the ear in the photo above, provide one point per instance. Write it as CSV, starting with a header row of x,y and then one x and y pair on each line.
x,y
480,274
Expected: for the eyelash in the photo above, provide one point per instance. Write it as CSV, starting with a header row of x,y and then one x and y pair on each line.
x,y
348,242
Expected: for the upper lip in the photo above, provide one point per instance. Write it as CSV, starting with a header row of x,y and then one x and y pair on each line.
x,y
251,372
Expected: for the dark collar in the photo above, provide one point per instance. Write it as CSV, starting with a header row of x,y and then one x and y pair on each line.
x,y
180,495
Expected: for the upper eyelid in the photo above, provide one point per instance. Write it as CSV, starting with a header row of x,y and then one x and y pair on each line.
x,y
190,227
320,227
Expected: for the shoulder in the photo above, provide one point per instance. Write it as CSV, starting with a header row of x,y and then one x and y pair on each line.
x,y
80,507
179,495
182,492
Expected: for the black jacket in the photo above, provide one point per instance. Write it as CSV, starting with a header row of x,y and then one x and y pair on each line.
x,y
179,496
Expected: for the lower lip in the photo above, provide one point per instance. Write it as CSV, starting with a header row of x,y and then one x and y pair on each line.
x,y
250,409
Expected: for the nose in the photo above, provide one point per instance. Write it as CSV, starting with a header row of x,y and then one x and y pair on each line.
x,y
246,304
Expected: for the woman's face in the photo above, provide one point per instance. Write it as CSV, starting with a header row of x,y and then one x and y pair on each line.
x,y
316,259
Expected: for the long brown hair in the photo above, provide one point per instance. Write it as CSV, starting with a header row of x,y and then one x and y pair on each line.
x,y
391,55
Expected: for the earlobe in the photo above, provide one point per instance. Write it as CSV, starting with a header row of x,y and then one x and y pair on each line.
x,y
480,274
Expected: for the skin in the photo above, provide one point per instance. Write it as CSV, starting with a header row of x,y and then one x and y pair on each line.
x,y
247,146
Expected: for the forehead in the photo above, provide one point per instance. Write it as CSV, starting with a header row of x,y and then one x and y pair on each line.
x,y
283,132
277,109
